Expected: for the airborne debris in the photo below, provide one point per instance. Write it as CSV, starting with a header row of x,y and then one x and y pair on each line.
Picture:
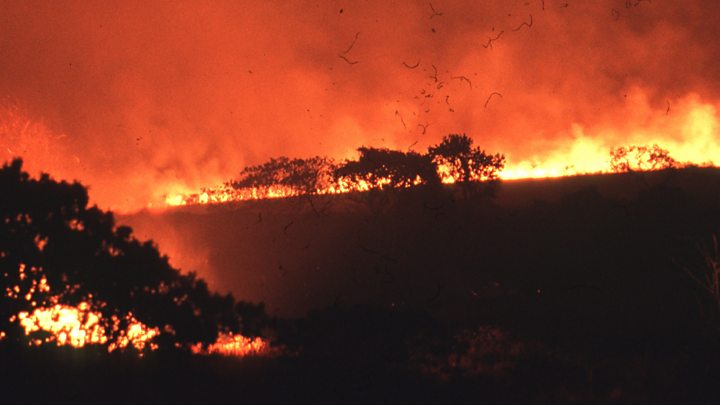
x,y
631,3
463,79
494,93
524,23
345,52
490,40
352,44
397,114
434,76
447,101
411,66
435,12
424,127
343,57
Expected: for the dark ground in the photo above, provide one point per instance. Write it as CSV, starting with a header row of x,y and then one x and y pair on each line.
x,y
574,290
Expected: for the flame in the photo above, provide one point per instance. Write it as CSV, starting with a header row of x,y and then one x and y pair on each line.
x,y
81,325
690,136
688,132
235,345
74,326
137,335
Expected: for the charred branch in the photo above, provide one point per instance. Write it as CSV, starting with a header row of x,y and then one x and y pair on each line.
x,y
463,79
494,93
434,12
490,40
411,66
349,62
528,24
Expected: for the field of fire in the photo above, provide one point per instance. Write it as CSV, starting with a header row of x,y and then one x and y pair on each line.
x,y
511,202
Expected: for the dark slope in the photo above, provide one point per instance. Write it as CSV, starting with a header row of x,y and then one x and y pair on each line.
x,y
607,238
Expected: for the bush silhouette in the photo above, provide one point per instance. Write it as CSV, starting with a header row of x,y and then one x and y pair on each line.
x,y
296,176
47,231
465,162
380,167
640,158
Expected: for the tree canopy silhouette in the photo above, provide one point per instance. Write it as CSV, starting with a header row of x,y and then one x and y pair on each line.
x,y
48,231
380,166
300,176
456,155
640,158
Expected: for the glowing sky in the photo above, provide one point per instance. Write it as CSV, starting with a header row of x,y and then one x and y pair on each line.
x,y
138,99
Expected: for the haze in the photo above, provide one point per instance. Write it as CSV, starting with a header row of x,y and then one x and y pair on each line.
x,y
138,100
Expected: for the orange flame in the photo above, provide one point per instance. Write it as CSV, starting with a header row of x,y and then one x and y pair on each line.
x,y
80,325
75,326
235,345
690,135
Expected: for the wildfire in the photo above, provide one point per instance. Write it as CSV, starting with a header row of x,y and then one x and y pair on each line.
x,y
74,326
690,137
81,325
235,345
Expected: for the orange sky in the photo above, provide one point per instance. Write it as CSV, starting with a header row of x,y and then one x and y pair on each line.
x,y
139,99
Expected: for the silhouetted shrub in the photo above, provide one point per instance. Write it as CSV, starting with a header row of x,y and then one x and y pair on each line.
x,y
290,176
457,157
640,158
381,168
49,236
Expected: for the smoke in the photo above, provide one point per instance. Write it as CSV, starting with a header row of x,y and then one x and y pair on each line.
x,y
139,100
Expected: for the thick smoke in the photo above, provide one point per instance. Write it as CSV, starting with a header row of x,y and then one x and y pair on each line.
x,y
139,99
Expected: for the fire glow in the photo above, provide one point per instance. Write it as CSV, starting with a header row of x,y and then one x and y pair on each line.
x,y
695,143
81,325
143,111
229,344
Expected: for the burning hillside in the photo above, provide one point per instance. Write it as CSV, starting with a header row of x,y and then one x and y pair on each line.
x,y
142,103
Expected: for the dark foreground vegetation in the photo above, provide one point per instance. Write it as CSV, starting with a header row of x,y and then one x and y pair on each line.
x,y
586,290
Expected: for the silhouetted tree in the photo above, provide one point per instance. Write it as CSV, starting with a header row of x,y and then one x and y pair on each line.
x,y
380,167
47,230
465,162
457,157
640,158
299,176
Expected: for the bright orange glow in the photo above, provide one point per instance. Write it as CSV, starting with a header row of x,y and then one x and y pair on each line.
x,y
136,335
235,345
690,135
691,138
77,325
82,325
74,326
143,110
